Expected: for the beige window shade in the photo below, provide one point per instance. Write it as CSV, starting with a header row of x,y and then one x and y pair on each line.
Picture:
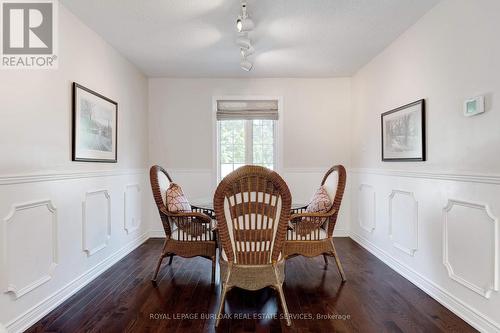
x,y
253,109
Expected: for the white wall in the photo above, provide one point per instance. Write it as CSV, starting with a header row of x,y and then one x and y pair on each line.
x,y
451,54
399,211
43,195
314,130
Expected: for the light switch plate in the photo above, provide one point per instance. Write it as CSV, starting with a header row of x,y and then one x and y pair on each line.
x,y
474,106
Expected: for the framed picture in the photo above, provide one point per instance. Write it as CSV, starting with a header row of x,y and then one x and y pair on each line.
x,y
95,120
403,133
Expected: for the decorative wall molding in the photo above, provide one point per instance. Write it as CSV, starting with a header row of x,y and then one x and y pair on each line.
x,y
85,223
411,248
12,286
478,320
37,312
494,283
131,222
368,226
440,175
189,171
65,175
307,170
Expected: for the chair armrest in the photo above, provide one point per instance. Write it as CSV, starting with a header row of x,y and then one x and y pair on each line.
x,y
298,210
317,215
196,216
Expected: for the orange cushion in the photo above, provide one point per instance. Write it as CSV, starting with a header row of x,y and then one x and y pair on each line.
x,y
176,200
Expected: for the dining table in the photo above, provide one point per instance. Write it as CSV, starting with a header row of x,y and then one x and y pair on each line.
x,y
206,206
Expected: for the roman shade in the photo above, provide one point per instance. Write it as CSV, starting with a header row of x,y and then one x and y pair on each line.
x,y
247,109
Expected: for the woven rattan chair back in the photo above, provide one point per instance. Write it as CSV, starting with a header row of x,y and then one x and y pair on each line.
x,y
252,206
160,181
334,181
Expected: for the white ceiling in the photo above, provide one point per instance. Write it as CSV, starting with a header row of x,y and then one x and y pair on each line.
x,y
293,38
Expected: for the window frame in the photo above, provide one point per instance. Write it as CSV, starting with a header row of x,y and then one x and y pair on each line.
x,y
278,148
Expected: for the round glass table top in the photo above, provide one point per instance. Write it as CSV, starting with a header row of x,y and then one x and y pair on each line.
x,y
207,203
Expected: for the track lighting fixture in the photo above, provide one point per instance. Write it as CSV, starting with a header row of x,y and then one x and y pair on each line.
x,y
244,25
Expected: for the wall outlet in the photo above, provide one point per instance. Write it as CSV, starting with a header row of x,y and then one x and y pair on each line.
x,y
474,106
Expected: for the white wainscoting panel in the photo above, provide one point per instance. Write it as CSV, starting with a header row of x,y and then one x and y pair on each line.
x,y
472,264
29,264
34,236
366,207
132,207
96,221
439,217
403,221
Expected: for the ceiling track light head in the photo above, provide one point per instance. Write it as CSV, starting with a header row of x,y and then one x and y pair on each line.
x,y
247,52
246,65
244,42
244,23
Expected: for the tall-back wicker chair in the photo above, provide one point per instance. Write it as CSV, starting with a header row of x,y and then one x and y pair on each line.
x,y
252,205
311,234
188,234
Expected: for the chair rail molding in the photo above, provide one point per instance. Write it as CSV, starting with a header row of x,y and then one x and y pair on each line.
x,y
493,284
411,248
481,178
13,286
131,221
368,226
14,179
86,224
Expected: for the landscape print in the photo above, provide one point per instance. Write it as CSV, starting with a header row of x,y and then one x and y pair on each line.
x,y
96,130
403,133
94,126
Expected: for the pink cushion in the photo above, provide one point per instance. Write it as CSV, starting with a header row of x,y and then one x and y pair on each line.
x,y
320,202
176,200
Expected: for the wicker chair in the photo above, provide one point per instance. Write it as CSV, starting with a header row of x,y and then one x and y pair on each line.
x,y
188,234
252,206
311,234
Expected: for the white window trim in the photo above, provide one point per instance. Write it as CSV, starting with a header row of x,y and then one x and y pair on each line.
x,y
278,132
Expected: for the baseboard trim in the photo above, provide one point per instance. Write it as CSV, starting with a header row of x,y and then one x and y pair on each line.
x,y
464,311
340,233
156,233
37,312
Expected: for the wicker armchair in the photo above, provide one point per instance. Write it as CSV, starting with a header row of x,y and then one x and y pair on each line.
x,y
252,206
311,234
188,234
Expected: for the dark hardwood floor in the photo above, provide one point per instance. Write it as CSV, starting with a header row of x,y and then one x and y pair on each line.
x,y
374,299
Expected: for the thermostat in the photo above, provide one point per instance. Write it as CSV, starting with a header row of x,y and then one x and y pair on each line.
x,y
474,106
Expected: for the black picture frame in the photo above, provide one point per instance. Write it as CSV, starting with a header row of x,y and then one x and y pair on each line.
x,y
423,152
75,124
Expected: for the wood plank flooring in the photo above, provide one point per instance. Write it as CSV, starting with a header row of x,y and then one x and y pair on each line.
x,y
374,299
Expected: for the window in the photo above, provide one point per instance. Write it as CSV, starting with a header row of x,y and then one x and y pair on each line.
x,y
246,134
